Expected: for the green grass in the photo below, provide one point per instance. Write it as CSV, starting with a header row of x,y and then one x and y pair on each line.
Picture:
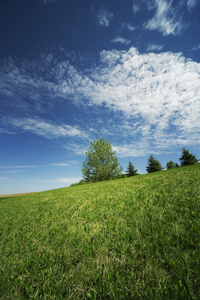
x,y
132,238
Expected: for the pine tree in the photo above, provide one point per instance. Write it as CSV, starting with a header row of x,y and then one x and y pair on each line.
x,y
131,171
153,165
171,165
187,158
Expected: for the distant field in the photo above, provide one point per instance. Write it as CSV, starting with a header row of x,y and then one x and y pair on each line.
x,y
132,238
14,195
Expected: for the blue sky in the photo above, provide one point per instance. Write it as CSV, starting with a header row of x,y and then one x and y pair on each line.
x,y
74,71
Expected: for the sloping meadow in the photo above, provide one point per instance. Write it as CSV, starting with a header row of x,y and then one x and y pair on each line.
x,y
132,238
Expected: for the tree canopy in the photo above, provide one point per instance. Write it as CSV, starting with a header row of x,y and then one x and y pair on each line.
x,y
131,171
153,165
171,165
187,158
101,162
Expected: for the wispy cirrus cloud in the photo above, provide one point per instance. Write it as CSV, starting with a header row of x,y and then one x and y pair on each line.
x,y
64,180
196,48
154,47
157,95
136,8
68,180
47,130
13,171
2,179
139,5
167,19
104,17
128,26
26,83
18,167
191,4
121,40
159,92
77,148
61,165
132,150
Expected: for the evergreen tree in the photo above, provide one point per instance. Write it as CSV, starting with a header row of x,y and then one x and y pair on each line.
x,y
171,165
131,171
101,162
187,158
153,165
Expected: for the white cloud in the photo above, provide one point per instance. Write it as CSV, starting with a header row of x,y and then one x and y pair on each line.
x,y
18,167
61,165
156,95
77,148
47,130
191,4
154,47
167,19
136,8
104,17
139,4
196,48
158,91
3,179
23,168
68,180
132,150
13,172
64,181
121,40
128,26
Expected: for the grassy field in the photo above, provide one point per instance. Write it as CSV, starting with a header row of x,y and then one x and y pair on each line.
x,y
14,195
132,238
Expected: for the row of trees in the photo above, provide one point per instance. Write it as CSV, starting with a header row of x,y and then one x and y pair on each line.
x,y
102,164
186,159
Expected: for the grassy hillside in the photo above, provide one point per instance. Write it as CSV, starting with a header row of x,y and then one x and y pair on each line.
x,y
133,238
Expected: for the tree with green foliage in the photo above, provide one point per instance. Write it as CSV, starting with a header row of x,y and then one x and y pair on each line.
x,y
153,165
131,171
101,162
187,158
171,165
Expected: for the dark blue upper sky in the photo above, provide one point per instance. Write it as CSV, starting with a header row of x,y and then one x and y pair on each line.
x,y
74,71
27,27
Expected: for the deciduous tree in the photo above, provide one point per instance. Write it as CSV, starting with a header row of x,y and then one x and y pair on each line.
x,y
101,162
